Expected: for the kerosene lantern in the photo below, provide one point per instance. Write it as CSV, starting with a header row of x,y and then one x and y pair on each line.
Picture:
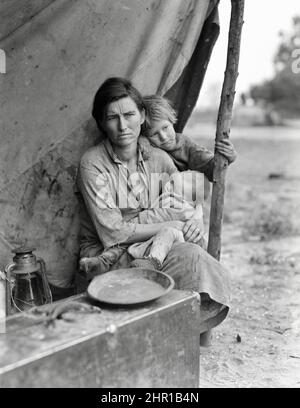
x,y
27,284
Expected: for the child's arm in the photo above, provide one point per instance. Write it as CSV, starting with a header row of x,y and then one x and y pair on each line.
x,y
196,157
201,159
192,156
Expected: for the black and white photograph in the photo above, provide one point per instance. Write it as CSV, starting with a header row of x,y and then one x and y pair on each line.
x,y
149,197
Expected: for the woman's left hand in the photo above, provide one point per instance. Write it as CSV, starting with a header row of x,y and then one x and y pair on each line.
x,y
193,230
226,148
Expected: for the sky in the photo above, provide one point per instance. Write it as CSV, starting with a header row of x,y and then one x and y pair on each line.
x,y
263,21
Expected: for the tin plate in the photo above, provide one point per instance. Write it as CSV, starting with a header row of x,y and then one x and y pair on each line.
x,y
130,286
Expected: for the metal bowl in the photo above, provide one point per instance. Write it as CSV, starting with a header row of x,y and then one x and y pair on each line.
x,y
130,286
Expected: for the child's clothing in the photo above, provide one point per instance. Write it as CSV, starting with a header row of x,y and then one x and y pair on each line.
x,y
173,196
188,155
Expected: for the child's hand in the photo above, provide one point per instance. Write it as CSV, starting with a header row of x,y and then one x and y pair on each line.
x,y
226,148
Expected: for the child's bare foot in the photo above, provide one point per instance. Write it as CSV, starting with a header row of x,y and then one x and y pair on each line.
x,y
91,266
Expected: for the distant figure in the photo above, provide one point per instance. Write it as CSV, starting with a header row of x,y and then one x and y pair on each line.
x,y
243,99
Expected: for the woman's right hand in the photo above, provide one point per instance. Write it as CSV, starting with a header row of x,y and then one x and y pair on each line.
x,y
193,230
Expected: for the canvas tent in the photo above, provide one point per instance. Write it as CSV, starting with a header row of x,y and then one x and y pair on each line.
x,y
58,53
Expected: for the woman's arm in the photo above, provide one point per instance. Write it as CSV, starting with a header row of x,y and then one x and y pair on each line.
x,y
105,216
161,215
111,227
146,231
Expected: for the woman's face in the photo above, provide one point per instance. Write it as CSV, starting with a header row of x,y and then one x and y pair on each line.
x,y
122,122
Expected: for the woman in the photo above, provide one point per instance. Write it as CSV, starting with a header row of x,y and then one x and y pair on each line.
x,y
114,216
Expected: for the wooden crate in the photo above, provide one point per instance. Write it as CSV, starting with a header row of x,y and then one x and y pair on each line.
x,y
155,345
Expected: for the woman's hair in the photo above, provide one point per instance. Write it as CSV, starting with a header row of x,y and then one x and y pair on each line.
x,y
158,108
112,90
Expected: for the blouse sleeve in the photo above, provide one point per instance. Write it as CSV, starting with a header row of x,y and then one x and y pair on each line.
x,y
107,218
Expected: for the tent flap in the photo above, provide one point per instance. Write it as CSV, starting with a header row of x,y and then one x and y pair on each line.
x,y
185,91
15,13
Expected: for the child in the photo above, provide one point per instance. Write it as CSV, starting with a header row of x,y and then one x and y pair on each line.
x,y
158,128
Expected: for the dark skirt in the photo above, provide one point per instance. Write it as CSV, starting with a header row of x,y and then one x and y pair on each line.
x,y
192,268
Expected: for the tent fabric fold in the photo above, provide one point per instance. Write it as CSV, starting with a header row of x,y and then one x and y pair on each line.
x,y
58,53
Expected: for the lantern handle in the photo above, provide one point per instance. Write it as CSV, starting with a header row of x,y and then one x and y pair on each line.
x,y
46,286
9,287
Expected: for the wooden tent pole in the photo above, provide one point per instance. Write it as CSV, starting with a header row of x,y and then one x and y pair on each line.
x,y
223,126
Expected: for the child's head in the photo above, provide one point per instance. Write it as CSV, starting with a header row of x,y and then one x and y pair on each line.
x,y
159,121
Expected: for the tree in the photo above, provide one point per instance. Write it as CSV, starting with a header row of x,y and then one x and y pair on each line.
x,y
282,92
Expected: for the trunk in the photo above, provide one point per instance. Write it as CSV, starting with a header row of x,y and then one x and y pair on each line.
x,y
223,126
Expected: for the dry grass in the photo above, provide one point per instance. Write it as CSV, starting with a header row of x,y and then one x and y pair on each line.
x,y
269,223
261,251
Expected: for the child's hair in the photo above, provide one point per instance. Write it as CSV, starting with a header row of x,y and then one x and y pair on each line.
x,y
158,108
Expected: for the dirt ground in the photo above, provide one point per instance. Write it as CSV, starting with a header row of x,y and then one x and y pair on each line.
x,y
259,343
